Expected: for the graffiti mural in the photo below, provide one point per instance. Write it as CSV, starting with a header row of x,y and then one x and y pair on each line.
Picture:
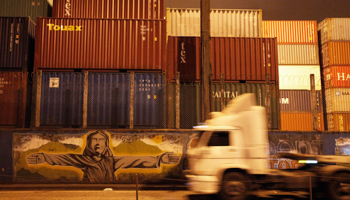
x,y
293,143
96,156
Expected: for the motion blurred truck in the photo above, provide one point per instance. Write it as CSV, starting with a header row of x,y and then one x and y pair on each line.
x,y
232,154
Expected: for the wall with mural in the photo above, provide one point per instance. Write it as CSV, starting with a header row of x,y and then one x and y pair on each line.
x,y
103,156
98,157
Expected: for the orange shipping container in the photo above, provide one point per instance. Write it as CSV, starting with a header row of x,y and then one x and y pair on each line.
x,y
336,53
291,32
300,122
337,77
338,121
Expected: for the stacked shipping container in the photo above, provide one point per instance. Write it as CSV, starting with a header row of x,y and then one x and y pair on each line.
x,y
237,51
16,61
107,40
335,42
297,59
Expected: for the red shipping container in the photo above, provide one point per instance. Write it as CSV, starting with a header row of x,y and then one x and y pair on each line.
x,y
13,96
122,9
239,59
337,77
117,44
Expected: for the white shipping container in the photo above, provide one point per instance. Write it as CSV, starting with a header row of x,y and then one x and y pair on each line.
x,y
337,100
297,77
334,29
223,22
298,54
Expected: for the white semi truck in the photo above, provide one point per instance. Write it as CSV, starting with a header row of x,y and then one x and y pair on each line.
x,y
232,154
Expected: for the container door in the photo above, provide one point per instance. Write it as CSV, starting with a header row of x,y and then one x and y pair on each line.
x,y
62,99
108,99
149,100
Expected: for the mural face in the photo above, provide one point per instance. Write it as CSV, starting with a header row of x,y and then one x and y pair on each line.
x,y
98,163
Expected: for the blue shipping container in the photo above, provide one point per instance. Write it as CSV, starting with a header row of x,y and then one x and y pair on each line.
x,y
149,100
108,99
62,99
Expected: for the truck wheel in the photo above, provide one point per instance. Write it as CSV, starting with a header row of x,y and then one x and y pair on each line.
x,y
234,186
339,187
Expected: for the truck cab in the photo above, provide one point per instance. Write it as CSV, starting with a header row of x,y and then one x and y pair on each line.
x,y
232,154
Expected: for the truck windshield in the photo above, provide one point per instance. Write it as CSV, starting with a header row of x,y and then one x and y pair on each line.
x,y
204,139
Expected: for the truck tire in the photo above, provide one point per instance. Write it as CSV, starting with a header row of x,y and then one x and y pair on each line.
x,y
337,189
234,186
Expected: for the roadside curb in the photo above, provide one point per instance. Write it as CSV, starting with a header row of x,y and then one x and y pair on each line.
x,y
4,187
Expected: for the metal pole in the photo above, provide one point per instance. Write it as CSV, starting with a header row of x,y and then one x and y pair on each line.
x,y
37,101
310,189
222,93
85,97
313,102
177,101
268,101
132,95
205,45
137,187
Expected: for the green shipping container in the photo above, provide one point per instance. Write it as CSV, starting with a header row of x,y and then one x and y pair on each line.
x,y
25,8
232,90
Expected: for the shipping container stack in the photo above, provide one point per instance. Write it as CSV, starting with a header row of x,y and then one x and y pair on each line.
x,y
94,47
335,43
298,58
238,52
16,62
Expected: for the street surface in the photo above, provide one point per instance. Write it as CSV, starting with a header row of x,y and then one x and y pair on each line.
x,y
110,194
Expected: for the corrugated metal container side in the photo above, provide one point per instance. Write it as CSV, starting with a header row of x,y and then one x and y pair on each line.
x,y
246,59
337,77
336,53
334,29
24,8
184,56
108,99
62,99
149,100
223,22
13,94
338,100
17,43
297,77
298,54
122,9
299,101
338,121
291,32
119,44
232,90
299,122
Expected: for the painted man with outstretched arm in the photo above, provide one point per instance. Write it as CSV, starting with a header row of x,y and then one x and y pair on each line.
x,y
97,161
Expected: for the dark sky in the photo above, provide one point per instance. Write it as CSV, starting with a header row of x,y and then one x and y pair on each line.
x,y
278,9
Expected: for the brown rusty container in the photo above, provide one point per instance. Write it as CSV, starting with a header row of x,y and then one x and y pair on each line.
x,y
291,31
13,92
299,101
337,77
239,59
338,121
100,44
336,53
122,9
298,121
